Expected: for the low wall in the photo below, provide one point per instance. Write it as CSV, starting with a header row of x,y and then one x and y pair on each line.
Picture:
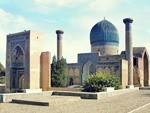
x,y
7,97
2,88
90,95
115,92
65,89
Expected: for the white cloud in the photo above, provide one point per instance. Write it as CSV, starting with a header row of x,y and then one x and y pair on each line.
x,y
90,5
54,4
103,5
13,23
10,23
57,2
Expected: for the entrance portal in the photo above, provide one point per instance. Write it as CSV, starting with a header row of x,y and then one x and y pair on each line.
x,y
21,81
17,68
87,70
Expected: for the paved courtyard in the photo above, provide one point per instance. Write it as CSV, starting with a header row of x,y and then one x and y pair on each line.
x,y
134,102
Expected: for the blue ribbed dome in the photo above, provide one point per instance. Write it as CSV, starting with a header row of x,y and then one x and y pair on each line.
x,y
103,33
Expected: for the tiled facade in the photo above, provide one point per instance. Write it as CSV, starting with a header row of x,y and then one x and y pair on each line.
x,y
89,63
23,61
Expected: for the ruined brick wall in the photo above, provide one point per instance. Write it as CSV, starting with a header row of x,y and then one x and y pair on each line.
x,y
45,81
74,73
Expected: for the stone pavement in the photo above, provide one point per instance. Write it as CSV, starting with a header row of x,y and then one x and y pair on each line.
x,y
125,103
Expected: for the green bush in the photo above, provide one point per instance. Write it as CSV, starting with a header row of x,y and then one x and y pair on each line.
x,y
96,83
2,79
1,67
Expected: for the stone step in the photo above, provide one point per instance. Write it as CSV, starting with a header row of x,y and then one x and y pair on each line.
x,y
28,102
144,88
48,101
83,95
93,95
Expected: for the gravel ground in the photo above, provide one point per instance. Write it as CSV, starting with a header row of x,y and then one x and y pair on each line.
x,y
123,103
144,110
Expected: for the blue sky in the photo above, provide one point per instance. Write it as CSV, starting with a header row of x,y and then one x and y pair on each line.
x,y
76,18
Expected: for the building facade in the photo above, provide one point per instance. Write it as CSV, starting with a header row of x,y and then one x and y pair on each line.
x,y
27,68
131,66
23,60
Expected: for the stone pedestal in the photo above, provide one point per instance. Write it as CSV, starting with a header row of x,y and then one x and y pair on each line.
x,y
130,86
109,89
32,90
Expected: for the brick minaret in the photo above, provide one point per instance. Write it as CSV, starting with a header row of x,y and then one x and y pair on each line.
x,y
129,49
59,44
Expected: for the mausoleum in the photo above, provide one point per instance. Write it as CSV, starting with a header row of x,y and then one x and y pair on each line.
x,y
131,65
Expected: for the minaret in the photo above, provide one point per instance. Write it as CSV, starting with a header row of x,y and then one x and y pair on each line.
x,y
129,49
59,44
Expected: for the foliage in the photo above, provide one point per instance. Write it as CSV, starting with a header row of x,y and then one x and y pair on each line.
x,y
98,82
2,70
2,73
59,72
1,67
53,71
2,79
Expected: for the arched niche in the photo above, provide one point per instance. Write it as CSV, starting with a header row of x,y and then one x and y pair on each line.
x,y
87,69
17,68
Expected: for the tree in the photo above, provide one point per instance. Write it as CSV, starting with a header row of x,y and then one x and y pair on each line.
x,y
53,71
2,74
1,67
59,72
2,70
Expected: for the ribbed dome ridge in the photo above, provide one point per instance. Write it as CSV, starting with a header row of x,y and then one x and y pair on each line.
x,y
104,32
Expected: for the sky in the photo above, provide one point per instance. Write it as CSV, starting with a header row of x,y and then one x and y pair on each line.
x,y
75,18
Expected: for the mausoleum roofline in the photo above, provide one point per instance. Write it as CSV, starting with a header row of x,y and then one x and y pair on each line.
x,y
19,33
